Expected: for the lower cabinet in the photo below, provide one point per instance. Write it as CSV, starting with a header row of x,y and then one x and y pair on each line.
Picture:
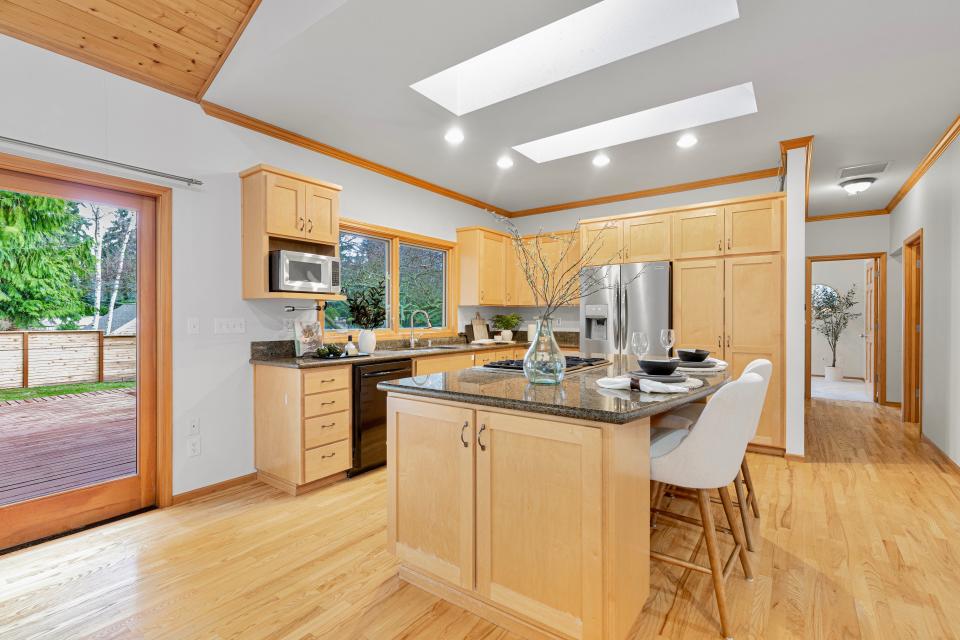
x,y
439,364
509,508
301,425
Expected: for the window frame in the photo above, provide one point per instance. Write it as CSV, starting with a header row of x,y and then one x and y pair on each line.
x,y
396,237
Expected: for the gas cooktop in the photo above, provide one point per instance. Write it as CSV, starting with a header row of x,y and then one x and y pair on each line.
x,y
574,363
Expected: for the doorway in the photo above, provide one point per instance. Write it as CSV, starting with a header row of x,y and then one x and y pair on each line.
x,y
912,408
85,346
846,327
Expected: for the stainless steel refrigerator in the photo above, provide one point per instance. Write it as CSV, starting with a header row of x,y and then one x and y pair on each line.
x,y
621,299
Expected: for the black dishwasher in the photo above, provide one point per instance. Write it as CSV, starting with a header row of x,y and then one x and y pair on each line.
x,y
370,412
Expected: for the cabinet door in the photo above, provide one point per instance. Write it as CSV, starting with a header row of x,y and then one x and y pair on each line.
x,y
569,264
602,242
513,278
648,238
524,292
753,227
430,475
698,305
322,217
539,516
754,330
286,209
698,233
439,364
493,256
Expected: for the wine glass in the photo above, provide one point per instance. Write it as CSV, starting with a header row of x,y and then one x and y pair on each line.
x,y
667,339
639,343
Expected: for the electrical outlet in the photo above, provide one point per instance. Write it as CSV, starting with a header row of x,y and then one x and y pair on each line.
x,y
229,325
194,426
193,446
193,326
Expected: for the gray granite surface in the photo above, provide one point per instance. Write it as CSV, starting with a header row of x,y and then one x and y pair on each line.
x,y
281,357
578,396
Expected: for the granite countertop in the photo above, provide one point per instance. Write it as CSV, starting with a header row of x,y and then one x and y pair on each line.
x,y
293,362
578,396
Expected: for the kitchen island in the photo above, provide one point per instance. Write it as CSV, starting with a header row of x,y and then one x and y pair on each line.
x,y
525,504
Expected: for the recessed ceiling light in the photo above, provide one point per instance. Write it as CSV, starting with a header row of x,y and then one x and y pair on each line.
x,y
857,185
601,160
454,135
724,104
602,33
686,141
504,162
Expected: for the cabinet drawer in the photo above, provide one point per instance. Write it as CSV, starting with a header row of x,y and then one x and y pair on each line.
x,y
323,403
326,380
321,430
327,460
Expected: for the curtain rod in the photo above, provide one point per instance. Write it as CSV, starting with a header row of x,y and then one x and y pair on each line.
x,y
121,165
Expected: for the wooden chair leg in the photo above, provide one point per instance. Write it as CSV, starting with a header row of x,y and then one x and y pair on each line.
x,y
741,499
751,492
735,530
716,564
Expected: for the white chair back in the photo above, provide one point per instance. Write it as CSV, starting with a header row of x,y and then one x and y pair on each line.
x,y
763,368
710,456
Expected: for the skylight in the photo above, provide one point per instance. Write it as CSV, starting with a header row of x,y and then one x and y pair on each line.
x,y
593,37
684,114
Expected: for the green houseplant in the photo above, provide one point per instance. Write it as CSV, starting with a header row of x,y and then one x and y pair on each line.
x,y
506,323
367,311
831,317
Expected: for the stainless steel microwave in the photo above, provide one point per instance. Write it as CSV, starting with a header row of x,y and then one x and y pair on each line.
x,y
304,272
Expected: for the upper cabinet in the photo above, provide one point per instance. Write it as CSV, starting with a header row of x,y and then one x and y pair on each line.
x,y
284,210
648,238
483,265
602,241
753,227
698,233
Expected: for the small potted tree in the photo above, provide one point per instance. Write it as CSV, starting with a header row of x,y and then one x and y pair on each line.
x,y
831,316
506,324
367,312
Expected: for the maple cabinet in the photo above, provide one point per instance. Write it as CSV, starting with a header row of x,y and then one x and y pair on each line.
x,y
602,241
698,304
648,238
482,255
698,233
753,227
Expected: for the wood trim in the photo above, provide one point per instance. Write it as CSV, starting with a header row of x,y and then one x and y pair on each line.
x,y
932,156
257,168
894,405
387,232
912,363
229,49
799,143
686,207
766,450
646,193
880,339
253,124
187,496
848,214
792,457
83,180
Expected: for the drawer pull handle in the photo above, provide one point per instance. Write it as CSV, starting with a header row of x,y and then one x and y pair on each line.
x,y
322,457
325,380
323,404
327,426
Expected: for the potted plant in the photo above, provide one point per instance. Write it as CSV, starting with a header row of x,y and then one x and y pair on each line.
x,y
368,312
506,324
831,316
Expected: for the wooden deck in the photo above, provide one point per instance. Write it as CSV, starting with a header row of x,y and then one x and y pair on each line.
x,y
49,445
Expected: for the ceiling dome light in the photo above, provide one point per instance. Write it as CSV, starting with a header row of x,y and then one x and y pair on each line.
x,y
857,185
601,160
454,135
686,141
504,162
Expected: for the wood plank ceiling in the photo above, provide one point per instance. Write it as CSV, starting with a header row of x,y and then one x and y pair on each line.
x,y
173,45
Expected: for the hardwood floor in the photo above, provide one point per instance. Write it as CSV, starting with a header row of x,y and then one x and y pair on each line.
x,y
859,541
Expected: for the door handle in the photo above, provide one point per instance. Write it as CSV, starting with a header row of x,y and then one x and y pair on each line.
x,y
483,428
310,222
728,243
463,430
301,224
719,341
728,342
719,245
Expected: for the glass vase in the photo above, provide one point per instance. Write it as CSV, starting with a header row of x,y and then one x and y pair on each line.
x,y
544,363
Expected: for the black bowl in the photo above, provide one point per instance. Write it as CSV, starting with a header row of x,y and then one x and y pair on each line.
x,y
693,355
659,367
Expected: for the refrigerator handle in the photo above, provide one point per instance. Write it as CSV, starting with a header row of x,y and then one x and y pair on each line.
x,y
616,327
626,320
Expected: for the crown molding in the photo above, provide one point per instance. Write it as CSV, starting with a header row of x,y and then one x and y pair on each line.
x,y
848,214
932,156
804,142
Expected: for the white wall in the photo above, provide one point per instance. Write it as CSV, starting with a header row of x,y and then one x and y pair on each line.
x,y
62,103
934,206
565,220
851,348
794,323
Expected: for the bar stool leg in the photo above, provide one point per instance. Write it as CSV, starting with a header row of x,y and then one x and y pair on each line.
x,y
751,492
741,498
716,564
735,529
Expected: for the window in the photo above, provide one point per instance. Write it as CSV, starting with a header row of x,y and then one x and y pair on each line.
x,y
422,285
392,274
364,275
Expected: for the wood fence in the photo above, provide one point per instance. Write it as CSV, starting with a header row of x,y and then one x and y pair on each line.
x,y
38,358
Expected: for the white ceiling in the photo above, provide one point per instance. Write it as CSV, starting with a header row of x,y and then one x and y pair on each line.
x,y
873,80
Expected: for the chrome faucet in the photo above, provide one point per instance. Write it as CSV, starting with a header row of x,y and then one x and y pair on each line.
x,y
413,316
